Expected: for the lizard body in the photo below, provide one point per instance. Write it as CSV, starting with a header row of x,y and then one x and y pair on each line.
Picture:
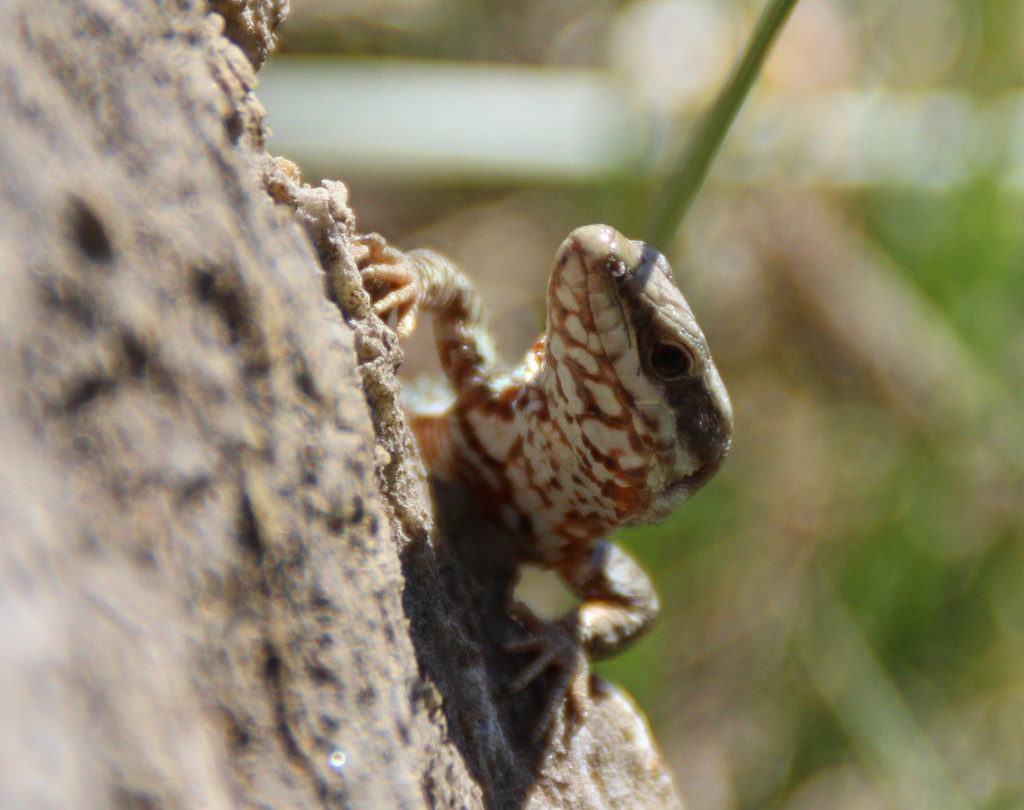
x,y
617,415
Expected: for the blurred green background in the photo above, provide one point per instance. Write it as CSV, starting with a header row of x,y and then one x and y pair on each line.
x,y
843,619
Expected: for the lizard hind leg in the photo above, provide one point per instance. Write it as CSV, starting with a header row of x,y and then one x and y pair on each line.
x,y
555,646
618,606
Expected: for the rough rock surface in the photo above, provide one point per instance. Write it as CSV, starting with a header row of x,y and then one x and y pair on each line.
x,y
221,584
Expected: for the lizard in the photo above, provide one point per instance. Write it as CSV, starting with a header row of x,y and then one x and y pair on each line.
x,y
617,415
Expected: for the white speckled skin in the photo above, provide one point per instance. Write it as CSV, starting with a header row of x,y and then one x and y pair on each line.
x,y
617,415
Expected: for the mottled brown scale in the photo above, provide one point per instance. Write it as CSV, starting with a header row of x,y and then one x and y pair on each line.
x,y
617,415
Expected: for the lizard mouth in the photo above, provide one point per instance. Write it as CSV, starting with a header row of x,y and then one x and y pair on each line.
x,y
696,480
686,485
678,491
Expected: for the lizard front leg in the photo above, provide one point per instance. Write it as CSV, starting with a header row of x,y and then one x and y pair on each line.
x,y
422,280
619,604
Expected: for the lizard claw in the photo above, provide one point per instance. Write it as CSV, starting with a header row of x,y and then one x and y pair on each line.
x,y
390,281
403,298
555,645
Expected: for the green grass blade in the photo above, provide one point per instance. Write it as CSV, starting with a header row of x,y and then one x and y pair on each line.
x,y
678,192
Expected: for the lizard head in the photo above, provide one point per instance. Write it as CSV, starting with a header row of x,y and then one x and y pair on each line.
x,y
632,370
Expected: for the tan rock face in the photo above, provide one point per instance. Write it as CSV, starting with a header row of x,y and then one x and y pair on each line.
x,y
219,581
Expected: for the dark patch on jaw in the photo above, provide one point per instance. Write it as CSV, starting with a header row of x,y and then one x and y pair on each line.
x,y
699,418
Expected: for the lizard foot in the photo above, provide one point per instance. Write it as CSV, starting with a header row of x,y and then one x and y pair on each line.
x,y
555,646
390,280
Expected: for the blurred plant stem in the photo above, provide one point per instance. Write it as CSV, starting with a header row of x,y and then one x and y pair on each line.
x,y
674,198
880,724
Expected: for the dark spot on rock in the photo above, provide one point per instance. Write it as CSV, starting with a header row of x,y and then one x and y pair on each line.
x,y
248,529
84,444
304,381
88,232
194,487
65,296
85,391
238,735
272,665
321,675
145,558
318,600
219,287
135,354
430,791
125,798
358,513
274,673
233,125
310,465
298,551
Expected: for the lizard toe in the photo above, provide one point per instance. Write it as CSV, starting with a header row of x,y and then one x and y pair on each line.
x,y
555,646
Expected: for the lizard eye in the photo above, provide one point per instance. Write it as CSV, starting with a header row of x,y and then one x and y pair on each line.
x,y
671,361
